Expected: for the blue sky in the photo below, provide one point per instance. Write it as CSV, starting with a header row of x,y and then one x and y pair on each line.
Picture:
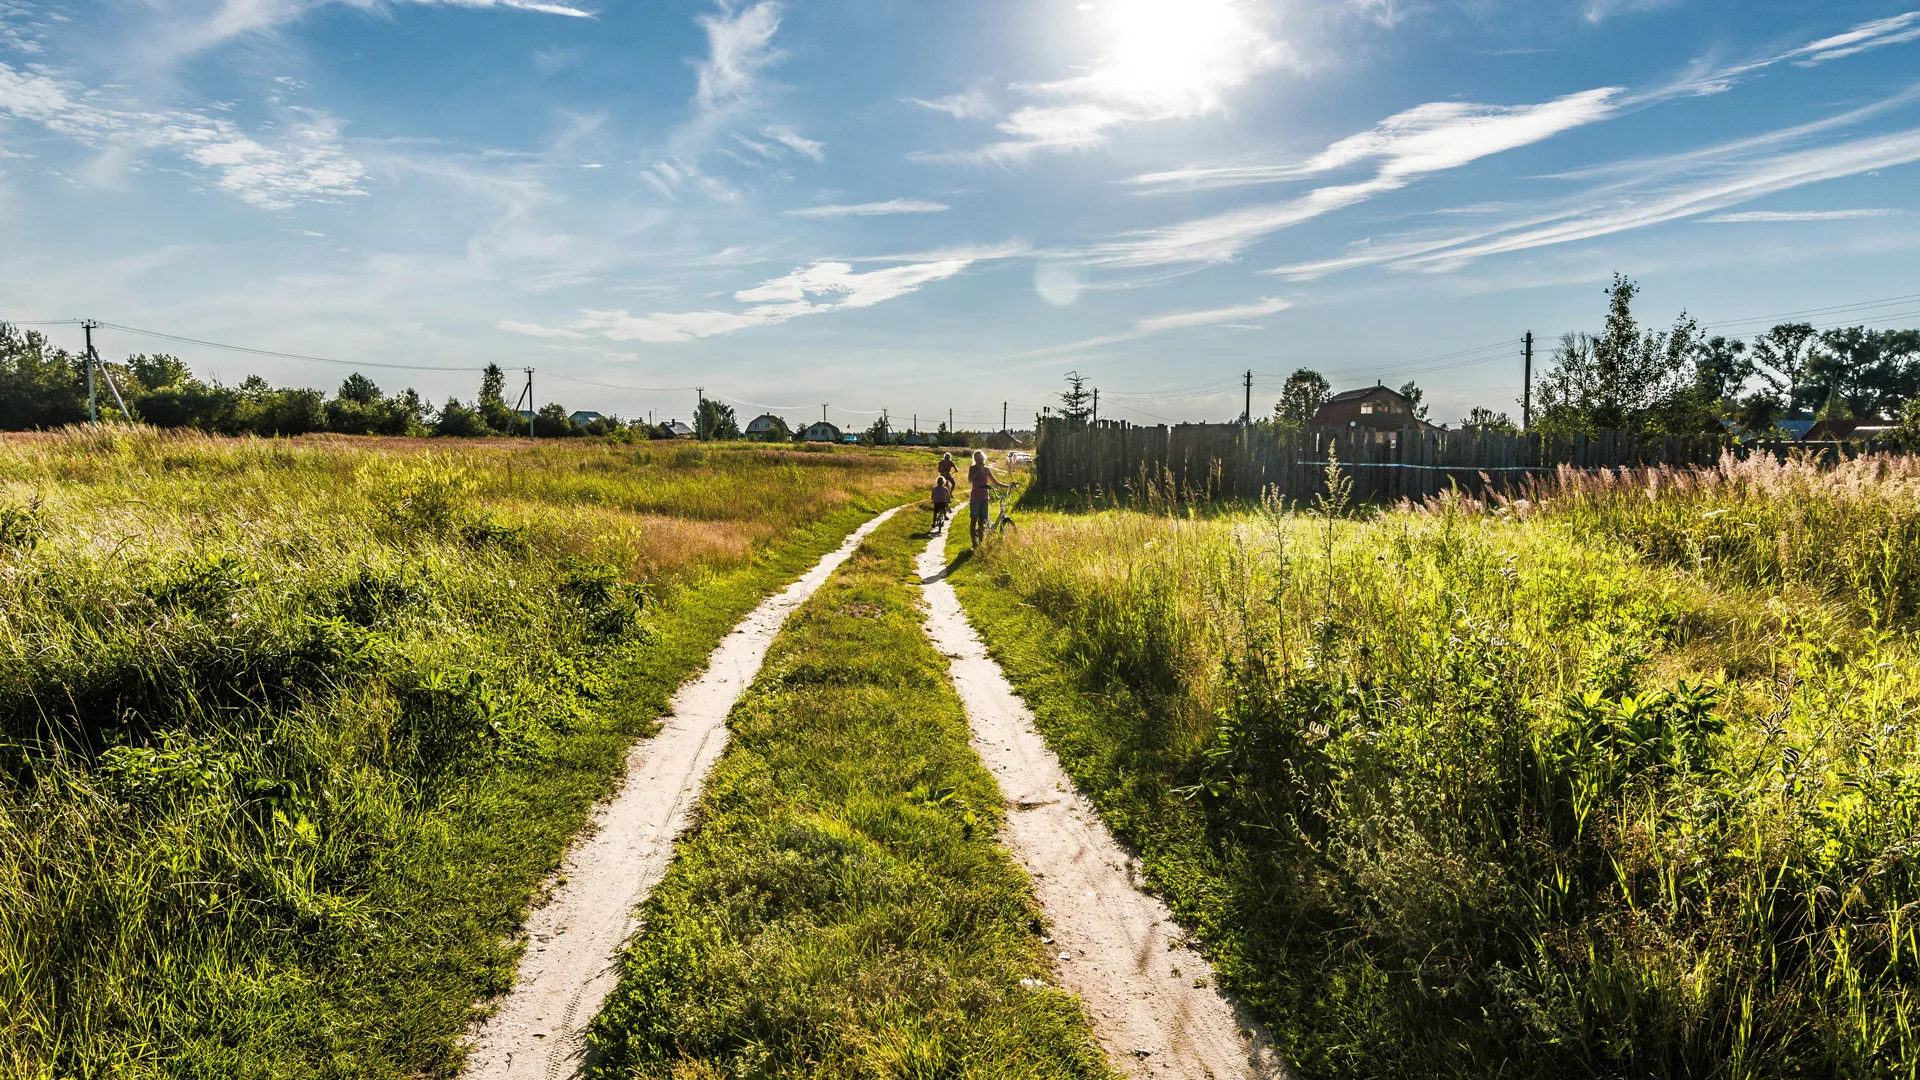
x,y
921,207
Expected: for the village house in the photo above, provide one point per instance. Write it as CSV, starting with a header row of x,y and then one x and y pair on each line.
x,y
1375,410
821,431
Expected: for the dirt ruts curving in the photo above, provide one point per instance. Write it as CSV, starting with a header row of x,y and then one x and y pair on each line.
x,y
1152,998
538,1030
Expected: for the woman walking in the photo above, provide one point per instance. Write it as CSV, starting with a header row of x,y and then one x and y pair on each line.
x,y
982,480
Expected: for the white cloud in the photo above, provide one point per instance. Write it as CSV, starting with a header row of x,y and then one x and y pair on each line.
x,y
536,330
1600,10
1869,35
792,140
1701,182
300,160
825,286
965,105
1426,139
739,45
1158,60
1180,320
872,209
1795,215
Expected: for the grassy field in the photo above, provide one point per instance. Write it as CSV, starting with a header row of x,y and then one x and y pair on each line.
x,y
290,731
1618,780
842,908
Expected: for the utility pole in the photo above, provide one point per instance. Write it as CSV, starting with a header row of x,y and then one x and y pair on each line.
x,y
700,412
1003,418
1246,415
1526,395
531,410
949,421
1096,406
93,407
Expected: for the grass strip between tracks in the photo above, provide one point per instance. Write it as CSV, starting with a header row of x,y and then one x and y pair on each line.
x,y
843,907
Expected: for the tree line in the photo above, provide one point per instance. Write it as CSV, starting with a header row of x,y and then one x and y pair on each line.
x,y
44,386
1684,381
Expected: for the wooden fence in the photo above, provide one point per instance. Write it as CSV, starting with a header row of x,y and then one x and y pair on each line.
x,y
1202,462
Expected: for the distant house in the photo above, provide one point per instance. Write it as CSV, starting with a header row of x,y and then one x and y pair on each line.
x,y
1861,429
765,426
913,438
1371,408
585,417
677,430
821,431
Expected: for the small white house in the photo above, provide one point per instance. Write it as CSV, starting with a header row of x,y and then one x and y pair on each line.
x,y
821,431
765,426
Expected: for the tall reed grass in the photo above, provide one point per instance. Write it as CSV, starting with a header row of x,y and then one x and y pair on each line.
x,y
1567,787
290,730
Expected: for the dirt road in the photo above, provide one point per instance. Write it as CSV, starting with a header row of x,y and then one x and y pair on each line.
x,y
570,966
1152,998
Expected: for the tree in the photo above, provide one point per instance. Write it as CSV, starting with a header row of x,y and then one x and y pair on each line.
x,y
1722,368
876,434
492,403
1784,354
715,420
359,389
553,422
1625,378
458,421
1873,371
160,369
1302,395
1485,419
40,386
1076,401
1411,391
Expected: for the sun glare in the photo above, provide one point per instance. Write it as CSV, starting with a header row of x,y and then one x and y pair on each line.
x,y
1177,56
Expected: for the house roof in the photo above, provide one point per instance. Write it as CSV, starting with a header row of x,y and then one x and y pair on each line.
x,y
677,429
586,416
821,431
762,422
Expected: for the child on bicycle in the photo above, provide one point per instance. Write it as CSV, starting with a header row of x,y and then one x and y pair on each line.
x,y
942,501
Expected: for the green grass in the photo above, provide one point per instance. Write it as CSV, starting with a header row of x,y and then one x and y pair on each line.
x,y
291,731
842,908
1503,791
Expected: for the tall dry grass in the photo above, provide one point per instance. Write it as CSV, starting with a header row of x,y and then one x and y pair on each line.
x,y
1569,787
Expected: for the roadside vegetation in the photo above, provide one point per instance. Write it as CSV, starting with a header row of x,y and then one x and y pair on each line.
x,y
843,908
1619,779
290,731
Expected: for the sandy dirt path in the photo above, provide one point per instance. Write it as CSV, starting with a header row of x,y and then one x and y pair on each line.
x,y
1152,998
575,938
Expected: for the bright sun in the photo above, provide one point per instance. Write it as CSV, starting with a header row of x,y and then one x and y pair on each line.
x,y
1176,55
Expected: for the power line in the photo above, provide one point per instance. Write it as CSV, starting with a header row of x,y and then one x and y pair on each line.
x,y
1863,305
619,386
281,355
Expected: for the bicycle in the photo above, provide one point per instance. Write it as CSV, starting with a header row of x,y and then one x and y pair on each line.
x,y
1005,519
942,513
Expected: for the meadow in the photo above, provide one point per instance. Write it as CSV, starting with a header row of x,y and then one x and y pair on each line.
x,y
292,730
1620,778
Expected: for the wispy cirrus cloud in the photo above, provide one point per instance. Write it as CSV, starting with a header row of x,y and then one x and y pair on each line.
x,y
300,159
1180,320
871,209
1894,30
965,105
1422,140
818,288
1759,216
728,92
1158,60
1668,189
